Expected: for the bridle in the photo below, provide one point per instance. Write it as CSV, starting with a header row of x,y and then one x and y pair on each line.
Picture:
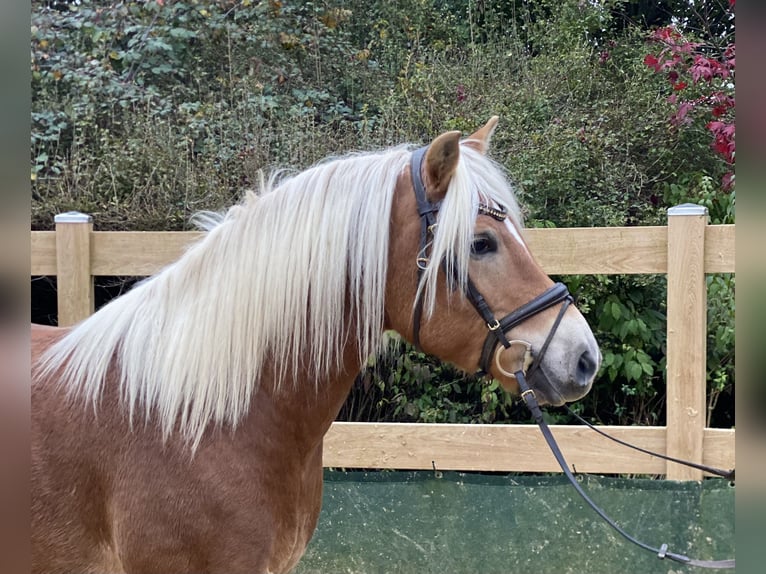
x,y
497,328
557,293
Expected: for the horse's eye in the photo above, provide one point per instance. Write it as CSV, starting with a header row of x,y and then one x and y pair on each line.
x,y
482,245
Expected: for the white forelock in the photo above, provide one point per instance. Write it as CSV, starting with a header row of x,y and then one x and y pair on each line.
x,y
477,179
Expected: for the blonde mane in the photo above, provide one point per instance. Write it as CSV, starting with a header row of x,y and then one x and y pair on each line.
x,y
269,283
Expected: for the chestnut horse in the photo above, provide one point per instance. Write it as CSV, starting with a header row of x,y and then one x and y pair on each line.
x,y
179,428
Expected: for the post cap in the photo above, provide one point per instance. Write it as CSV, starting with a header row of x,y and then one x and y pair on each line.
x,y
72,217
688,209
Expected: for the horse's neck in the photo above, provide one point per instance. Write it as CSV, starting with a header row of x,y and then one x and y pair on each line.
x,y
312,410
305,407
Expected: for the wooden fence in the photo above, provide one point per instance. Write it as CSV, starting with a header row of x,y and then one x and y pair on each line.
x,y
685,250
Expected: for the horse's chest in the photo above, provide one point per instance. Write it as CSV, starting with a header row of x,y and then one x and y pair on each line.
x,y
298,516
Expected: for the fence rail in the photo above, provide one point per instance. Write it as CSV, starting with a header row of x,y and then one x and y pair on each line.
x,y
685,250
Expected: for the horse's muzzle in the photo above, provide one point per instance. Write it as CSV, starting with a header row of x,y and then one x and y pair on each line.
x,y
557,391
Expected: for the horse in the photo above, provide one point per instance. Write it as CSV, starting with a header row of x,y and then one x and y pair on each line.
x,y
179,428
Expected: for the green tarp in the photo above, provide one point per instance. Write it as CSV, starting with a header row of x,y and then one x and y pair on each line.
x,y
455,523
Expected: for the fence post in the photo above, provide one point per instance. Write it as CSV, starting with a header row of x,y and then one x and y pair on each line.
x,y
686,338
75,283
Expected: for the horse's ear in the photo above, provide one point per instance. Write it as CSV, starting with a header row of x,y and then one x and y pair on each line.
x,y
441,160
479,140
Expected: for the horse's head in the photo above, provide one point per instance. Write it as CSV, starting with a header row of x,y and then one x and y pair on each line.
x,y
457,251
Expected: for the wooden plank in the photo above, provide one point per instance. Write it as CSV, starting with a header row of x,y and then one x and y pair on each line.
x,y
686,338
508,448
43,252
627,250
75,281
718,448
594,250
138,253
504,448
559,251
720,253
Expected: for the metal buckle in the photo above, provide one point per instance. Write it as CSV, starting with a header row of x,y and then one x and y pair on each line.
x,y
493,326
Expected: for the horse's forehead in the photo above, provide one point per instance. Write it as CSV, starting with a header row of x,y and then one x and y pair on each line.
x,y
509,223
514,231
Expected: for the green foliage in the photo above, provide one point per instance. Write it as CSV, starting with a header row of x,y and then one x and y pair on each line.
x,y
145,112
160,109
409,386
631,327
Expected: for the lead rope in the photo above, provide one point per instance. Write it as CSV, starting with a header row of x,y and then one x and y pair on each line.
x,y
662,552
728,474
427,212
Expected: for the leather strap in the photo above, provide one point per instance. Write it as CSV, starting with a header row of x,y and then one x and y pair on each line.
x,y
427,212
662,552
727,474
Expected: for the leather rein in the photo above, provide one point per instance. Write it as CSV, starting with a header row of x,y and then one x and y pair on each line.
x,y
497,328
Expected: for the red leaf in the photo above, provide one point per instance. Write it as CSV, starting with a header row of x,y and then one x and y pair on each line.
x,y
680,117
667,34
715,127
652,62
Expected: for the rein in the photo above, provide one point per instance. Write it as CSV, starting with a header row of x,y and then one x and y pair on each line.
x,y
662,552
558,293
727,474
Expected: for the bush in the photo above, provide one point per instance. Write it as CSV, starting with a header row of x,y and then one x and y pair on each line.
x,y
145,112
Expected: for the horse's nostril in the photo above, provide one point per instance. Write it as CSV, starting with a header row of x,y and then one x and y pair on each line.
x,y
586,368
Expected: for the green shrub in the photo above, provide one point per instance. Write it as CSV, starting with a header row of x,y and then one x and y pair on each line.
x,y
145,112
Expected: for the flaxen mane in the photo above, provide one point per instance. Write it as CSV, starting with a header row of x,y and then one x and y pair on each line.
x,y
273,278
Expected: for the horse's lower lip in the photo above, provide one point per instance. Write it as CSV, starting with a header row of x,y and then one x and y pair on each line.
x,y
556,392
545,401
554,397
